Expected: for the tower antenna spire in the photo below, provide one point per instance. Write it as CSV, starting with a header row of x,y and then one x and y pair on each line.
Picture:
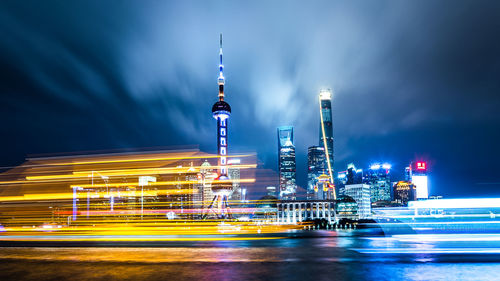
x,y
220,79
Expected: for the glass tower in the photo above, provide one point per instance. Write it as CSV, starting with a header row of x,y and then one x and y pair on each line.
x,y
326,131
286,163
379,178
315,168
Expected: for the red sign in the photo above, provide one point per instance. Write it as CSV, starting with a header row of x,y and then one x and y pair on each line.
x,y
421,166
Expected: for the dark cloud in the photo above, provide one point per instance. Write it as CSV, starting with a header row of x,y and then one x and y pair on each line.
x,y
410,79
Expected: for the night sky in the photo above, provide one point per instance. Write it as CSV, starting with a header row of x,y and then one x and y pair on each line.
x,y
411,80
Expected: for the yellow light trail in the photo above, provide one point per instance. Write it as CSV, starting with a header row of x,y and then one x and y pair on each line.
x,y
122,184
129,172
145,159
67,196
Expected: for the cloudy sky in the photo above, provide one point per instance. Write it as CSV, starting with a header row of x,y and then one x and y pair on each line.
x,y
411,80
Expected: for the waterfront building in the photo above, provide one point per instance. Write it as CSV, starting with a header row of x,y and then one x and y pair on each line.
x,y
295,211
346,208
326,132
315,168
361,194
286,163
378,177
404,192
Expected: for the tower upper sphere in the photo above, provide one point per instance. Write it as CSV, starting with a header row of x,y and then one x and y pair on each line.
x,y
221,107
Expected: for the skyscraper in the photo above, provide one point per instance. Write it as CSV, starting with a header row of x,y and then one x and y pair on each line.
x,y
419,179
221,112
286,163
378,177
350,176
326,131
315,168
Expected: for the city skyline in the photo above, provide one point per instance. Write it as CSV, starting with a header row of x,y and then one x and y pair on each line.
x,y
346,140
114,87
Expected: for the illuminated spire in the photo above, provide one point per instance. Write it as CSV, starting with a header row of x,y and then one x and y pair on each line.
x,y
221,72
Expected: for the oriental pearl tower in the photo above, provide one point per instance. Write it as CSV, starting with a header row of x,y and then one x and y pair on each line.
x,y
222,186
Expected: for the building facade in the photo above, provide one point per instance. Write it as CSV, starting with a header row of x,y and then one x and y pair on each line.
x,y
361,194
379,178
294,211
419,179
351,175
286,163
315,168
346,208
404,192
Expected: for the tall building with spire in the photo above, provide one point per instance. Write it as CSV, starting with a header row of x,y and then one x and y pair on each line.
x,y
221,111
326,132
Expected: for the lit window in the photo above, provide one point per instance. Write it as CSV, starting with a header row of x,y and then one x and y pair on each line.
x,y
223,141
223,160
223,151
223,122
222,131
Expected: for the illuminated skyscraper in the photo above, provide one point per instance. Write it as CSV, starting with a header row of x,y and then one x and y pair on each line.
x,y
350,176
378,177
419,179
326,131
286,163
315,168
221,112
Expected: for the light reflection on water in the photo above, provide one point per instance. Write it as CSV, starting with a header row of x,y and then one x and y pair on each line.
x,y
325,258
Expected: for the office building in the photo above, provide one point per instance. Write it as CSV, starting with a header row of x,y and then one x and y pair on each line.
x,y
404,192
361,194
378,177
286,163
351,175
315,168
419,179
346,208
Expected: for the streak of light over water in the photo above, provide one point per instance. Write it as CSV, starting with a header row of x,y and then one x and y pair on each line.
x,y
323,257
